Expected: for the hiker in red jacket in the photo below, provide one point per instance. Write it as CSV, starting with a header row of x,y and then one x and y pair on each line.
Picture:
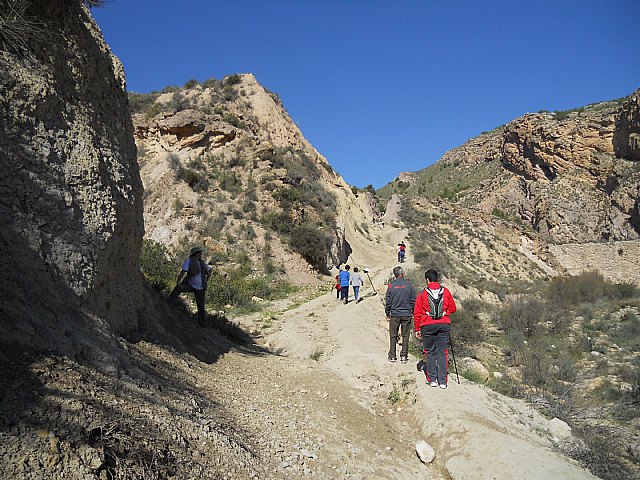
x,y
432,324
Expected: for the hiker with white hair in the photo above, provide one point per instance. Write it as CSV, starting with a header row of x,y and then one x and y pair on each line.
x,y
399,302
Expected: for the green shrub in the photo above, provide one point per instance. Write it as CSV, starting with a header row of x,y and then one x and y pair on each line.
x,y
141,102
157,265
153,110
394,395
232,79
629,331
179,102
311,243
197,181
522,315
279,222
237,290
571,291
467,329
230,182
231,119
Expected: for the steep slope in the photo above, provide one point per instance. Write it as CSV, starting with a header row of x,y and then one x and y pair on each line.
x,y
542,181
222,161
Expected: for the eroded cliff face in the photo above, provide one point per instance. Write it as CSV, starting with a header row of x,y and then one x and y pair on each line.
x,y
71,196
575,179
223,163
580,188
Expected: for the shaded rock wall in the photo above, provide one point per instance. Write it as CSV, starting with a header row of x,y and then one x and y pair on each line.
x,y
71,222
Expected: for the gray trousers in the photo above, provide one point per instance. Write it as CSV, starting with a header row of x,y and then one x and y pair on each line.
x,y
404,324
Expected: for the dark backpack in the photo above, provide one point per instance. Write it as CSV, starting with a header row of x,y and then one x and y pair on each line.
x,y
436,304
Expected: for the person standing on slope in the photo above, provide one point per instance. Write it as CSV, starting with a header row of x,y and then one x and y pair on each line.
x,y
432,324
399,302
196,275
343,278
356,283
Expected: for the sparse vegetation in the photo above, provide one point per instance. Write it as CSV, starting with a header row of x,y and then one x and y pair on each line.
x,y
158,266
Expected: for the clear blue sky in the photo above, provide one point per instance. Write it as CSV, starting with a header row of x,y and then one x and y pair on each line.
x,y
381,87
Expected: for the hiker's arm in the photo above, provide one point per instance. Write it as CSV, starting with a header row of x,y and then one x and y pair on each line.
x,y
450,304
180,275
417,313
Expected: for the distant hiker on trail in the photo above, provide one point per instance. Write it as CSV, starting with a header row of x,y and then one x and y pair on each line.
x,y
338,287
399,302
432,324
356,283
196,275
402,250
343,278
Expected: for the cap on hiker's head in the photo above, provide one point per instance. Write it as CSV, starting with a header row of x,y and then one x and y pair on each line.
x,y
195,250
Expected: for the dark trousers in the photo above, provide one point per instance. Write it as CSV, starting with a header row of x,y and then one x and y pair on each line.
x,y
199,294
404,324
435,338
344,293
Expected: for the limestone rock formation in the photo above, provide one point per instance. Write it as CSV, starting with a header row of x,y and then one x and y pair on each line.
x,y
545,180
71,210
222,161
626,138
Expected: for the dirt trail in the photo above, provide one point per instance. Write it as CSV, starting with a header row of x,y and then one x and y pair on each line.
x,y
476,433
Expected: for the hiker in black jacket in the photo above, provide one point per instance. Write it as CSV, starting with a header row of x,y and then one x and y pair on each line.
x,y
399,302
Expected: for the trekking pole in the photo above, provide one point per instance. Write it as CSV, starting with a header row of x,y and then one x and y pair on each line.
x,y
366,270
453,355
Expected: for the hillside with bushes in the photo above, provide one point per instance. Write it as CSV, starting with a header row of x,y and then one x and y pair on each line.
x,y
103,194
535,225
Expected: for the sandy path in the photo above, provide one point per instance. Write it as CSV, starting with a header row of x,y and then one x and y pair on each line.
x,y
477,434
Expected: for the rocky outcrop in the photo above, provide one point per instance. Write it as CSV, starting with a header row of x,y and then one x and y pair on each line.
x,y
550,178
225,155
71,195
539,147
626,139
571,176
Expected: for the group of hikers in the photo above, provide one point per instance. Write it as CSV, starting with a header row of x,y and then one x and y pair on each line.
x,y
344,279
429,310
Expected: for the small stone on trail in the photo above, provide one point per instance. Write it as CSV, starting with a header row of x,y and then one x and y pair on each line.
x,y
425,452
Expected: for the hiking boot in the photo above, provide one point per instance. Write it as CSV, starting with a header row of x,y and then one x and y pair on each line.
x,y
404,359
444,385
392,360
434,384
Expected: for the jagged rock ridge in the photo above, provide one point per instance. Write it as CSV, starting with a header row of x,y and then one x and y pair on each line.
x,y
548,179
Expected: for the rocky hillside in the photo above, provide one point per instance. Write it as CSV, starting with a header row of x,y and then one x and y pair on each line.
x,y
542,181
527,223
222,162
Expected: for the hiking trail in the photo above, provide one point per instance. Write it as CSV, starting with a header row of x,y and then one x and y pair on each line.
x,y
476,433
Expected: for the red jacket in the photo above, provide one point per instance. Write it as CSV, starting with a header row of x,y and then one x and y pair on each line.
x,y
421,308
